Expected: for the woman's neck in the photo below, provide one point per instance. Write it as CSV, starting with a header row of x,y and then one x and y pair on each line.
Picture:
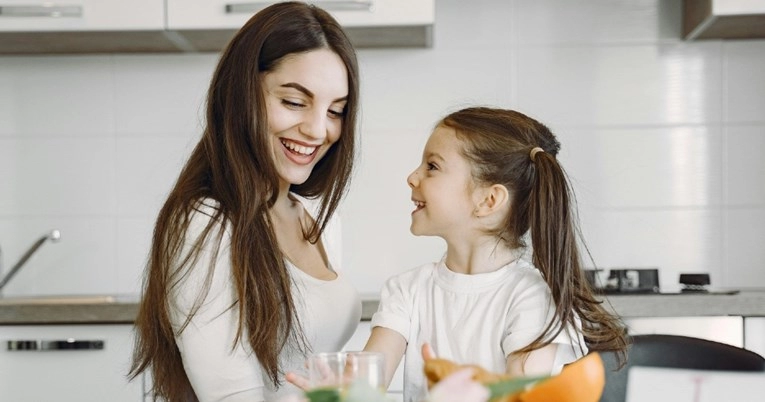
x,y
286,207
487,255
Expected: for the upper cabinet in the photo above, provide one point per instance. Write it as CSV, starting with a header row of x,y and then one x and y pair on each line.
x,y
723,19
118,26
81,15
217,14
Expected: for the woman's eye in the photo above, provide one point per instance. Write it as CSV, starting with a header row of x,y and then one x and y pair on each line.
x,y
292,104
337,114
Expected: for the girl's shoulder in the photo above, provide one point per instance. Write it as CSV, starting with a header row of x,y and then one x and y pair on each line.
x,y
522,274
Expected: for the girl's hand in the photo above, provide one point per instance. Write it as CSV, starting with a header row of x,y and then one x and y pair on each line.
x,y
458,387
427,352
298,380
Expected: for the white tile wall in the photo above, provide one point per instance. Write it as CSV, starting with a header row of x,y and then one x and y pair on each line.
x,y
662,138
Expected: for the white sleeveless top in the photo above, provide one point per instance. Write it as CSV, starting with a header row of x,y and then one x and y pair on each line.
x,y
329,312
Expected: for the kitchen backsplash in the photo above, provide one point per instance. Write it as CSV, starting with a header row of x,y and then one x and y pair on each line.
x,y
662,139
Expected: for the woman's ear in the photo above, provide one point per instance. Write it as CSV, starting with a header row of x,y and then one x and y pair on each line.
x,y
494,198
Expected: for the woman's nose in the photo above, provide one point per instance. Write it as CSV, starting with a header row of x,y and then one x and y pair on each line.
x,y
314,125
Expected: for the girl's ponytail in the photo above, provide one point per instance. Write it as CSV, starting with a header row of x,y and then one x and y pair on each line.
x,y
554,237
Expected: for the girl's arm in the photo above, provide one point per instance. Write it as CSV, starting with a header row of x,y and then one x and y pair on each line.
x,y
391,344
386,341
537,362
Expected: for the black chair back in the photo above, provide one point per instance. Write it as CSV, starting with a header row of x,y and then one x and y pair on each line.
x,y
674,351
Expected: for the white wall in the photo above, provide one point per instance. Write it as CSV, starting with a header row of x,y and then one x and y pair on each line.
x,y
661,137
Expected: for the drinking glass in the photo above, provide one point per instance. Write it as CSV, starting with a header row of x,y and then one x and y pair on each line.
x,y
342,369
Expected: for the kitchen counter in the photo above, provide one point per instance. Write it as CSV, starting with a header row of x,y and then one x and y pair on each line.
x,y
69,310
121,311
746,303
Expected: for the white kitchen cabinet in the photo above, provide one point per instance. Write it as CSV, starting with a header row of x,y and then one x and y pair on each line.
x,y
162,26
724,329
81,15
222,14
754,334
67,374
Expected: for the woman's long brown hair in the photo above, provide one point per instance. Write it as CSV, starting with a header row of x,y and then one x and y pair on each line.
x,y
498,143
231,165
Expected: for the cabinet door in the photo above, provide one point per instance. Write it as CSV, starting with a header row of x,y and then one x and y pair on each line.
x,y
754,334
57,373
222,14
81,15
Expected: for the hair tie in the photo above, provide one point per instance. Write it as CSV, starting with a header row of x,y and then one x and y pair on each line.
x,y
534,151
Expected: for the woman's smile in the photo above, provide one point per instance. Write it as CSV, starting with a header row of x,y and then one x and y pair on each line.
x,y
299,152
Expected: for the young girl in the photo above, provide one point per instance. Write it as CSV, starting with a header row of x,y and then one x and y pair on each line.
x,y
489,180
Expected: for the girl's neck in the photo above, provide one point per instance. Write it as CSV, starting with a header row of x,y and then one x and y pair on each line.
x,y
488,256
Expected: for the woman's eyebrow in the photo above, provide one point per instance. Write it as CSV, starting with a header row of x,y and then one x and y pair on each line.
x,y
307,92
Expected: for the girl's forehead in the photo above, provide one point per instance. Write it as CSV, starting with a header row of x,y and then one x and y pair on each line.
x,y
444,139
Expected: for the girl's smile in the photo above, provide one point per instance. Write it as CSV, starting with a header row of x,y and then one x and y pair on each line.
x,y
418,205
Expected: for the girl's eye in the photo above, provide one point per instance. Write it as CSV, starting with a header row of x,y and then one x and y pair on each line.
x,y
432,166
292,104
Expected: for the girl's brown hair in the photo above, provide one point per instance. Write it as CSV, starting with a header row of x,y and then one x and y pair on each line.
x,y
498,143
231,164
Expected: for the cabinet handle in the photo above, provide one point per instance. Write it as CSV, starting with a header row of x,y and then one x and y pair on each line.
x,y
330,5
22,345
42,10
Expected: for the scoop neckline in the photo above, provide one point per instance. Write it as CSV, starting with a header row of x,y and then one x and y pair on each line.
x,y
312,278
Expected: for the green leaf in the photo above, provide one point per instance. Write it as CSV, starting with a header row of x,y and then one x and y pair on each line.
x,y
511,386
323,395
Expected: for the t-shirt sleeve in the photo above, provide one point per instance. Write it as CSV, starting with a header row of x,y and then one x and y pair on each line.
x,y
218,369
530,312
396,305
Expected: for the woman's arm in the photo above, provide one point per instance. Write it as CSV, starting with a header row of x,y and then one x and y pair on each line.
x,y
391,344
217,369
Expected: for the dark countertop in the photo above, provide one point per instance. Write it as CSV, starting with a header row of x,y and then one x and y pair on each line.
x,y
123,311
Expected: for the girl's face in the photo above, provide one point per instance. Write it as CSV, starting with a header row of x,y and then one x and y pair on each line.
x,y
442,188
305,101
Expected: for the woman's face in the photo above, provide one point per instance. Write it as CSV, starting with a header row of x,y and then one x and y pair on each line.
x,y
305,101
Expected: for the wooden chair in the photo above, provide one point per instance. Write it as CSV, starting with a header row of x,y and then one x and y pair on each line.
x,y
674,351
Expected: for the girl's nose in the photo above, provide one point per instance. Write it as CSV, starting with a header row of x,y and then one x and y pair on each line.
x,y
412,179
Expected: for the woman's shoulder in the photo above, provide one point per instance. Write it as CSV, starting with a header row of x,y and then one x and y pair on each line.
x,y
204,211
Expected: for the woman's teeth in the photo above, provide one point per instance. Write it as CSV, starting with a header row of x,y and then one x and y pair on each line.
x,y
303,150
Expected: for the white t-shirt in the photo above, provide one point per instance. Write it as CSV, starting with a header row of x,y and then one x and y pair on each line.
x,y
329,312
470,319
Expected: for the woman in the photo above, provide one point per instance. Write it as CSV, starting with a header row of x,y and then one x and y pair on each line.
x,y
242,279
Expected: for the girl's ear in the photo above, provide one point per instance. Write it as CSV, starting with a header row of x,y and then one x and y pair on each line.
x,y
494,198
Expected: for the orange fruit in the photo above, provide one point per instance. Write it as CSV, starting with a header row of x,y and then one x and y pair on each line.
x,y
580,381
